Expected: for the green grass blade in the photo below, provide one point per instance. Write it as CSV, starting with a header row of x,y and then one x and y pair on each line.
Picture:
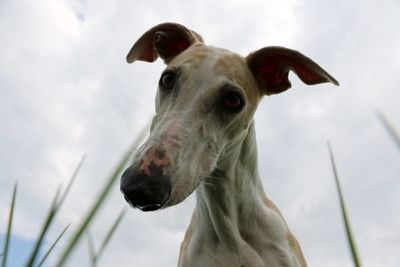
x,y
110,234
45,228
389,128
71,181
349,234
52,247
100,199
56,204
92,256
8,233
93,260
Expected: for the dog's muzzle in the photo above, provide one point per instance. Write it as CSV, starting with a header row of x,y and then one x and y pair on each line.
x,y
147,191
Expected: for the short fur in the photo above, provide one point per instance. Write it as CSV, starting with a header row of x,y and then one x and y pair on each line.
x,y
207,149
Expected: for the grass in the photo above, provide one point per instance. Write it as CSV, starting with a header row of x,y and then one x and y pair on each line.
x,y
9,226
95,256
345,217
41,262
33,259
389,128
350,237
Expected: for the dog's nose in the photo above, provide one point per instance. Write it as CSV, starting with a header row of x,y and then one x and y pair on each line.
x,y
148,192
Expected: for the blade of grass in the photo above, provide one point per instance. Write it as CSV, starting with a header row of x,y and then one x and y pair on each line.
x,y
52,246
71,181
8,233
389,128
350,239
56,204
110,234
100,199
45,228
90,243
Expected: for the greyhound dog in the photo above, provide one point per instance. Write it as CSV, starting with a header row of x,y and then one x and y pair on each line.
x,y
202,138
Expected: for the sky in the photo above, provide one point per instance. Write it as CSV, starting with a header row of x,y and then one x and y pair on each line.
x,y
66,91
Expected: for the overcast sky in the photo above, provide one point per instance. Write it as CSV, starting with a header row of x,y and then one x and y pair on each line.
x,y
66,90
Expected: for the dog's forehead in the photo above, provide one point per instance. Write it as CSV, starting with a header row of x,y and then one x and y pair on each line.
x,y
220,60
218,63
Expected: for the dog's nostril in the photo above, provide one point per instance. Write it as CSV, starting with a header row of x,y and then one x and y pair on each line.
x,y
146,192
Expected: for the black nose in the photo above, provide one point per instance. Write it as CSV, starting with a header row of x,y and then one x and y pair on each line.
x,y
144,191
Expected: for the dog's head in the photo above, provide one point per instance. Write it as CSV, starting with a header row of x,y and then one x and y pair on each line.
x,y
205,104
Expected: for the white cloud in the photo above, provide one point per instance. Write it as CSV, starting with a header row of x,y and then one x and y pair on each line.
x,y
66,90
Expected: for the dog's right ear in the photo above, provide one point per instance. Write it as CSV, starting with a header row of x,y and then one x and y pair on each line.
x,y
166,40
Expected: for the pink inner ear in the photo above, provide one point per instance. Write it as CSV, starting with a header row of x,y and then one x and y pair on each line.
x,y
307,74
275,69
147,55
271,66
274,74
177,47
270,75
182,45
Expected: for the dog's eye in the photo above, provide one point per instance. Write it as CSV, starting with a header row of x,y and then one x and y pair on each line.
x,y
167,80
232,102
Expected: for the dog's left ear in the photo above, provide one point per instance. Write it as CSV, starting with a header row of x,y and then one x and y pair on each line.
x,y
166,40
271,65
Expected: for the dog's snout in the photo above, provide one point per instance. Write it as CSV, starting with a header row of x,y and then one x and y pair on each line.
x,y
145,191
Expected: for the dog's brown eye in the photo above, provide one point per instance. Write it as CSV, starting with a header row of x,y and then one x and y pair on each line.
x,y
167,80
232,102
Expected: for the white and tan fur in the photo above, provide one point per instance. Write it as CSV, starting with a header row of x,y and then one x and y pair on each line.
x,y
203,148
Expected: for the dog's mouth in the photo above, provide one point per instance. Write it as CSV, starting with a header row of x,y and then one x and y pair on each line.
x,y
145,206
151,207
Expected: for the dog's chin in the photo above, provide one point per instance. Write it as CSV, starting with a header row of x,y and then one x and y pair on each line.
x,y
175,200
178,196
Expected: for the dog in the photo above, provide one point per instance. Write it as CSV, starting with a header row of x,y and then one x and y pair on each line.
x,y
203,138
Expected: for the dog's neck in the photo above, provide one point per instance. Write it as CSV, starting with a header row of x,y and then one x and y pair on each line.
x,y
234,220
229,201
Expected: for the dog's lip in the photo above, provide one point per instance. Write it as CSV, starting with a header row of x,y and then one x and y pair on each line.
x,y
152,207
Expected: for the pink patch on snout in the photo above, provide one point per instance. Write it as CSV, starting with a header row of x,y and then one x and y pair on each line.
x,y
154,158
159,156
